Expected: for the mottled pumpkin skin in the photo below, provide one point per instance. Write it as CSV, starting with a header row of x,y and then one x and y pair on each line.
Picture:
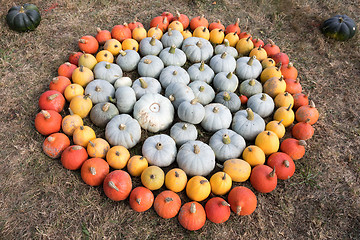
x,y
339,27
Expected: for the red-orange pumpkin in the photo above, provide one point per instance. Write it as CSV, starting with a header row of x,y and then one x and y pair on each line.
x,y
59,83
74,57
73,157
185,21
167,204
245,35
242,200
55,144
289,71
88,44
281,58
102,36
135,24
141,199
66,69
293,86
160,22
257,42
117,185
47,122
271,49
263,178
199,21
233,27
192,216
304,113
52,100
121,32
293,147
216,25
94,171
302,130
300,99
217,210
283,164
168,15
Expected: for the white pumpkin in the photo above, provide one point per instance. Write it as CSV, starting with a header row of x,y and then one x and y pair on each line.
x,y
248,67
100,91
150,46
217,117
201,72
191,112
107,71
125,99
172,56
248,124
197,49
182,132
128,60
123,81
262,104
150,66
225,81
203,92
172,37
178,92
223,63
172,74
144,85
159,150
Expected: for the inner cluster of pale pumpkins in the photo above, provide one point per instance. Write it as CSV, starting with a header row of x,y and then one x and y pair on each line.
x,y
231,88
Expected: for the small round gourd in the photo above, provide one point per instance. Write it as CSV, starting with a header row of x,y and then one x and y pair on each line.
x,y
217,36
107,71
262,104
225,81
81,105
69,123
286,114
178,92
82,135
102,113
144,85
87,60
248,124
176,180
196,158
150,66
118,157
217,117
248,67
227,144
191,111
167,204
123,130
225,47
123,81
223,63
172,37
182,132
172,56
172,74
100,91
197,49
104,55
125,99
275,86
238,169
244,46
250,87
284,100
270,72
160,150
198,188
97,148
277,127
136,165
153,177
128,60
253,155
221,183
229,100
203,92
268,141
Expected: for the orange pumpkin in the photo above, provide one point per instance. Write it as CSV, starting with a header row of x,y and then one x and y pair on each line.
x,y
130,44
104,55
253,155
216,25
286,114
259,52
293,86
244,46
66,69
233,28
304,113
141,199
139,33
121,32
199,21
167,204
233,38
160,22
176,180
242,200
283,164
277,127
268,62
102,36
182,18
293,147
117,185
94,171
284,99
82,135
81,76
176,25
268,141
220,183
70,123
271,49
300,99
48,122
59,84
97,148
217,36
55,144
302,130
52,100
289,71
217,210
274,86
238,169
192,216
134,24
117,157
81,105
88,44
198,188
136,165
73,157
186,34
74,57
113,46
263,178
156,32
270,72
73,90
202,32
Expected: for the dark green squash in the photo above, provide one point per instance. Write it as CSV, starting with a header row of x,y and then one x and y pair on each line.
x,y
23,18
339,27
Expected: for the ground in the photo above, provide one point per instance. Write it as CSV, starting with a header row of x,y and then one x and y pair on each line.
x,y
42,200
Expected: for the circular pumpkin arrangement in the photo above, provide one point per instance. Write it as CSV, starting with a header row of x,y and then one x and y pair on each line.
x,y
215,124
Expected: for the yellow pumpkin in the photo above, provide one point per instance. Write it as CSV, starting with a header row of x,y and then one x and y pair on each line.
x,y
277,127
175,180
87,60
117,157
268,62
286,114
259,53
198,188
274,86
268,141
104,55
202,32
97,148
270,72
155,31
284,100
130,44
113,46
217,36
253,155
176,25
152,177
244,46
139,33
186,34
136,165
233,38
81,105
238,169
73,90
82,76
70,123
82,135
221,183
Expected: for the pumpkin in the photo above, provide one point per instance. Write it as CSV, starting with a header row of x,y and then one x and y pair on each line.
x,y
289,71
253,155
70,123
97,148
192,216
102,113
223,63
52,100
186,34
142,86
257,42
191,111
302,130
182,132
81,105
155,32
55,144
59,84
125,99
339,27
48,122
117,185
168,15
196,158
66,69
182,18
172,37
23,18
136,165
304,113
87,60
123,130
161,22
216,25
139,33
244,46
263,178
117,157
283,164
248,124
284,99
198,188
247,68
81,76
280,58
201,72
94,171
102,36
274,86
293,86
250,87
82,135
88,44
277,127
152,177
286,114
173,74
217,116
107,71
197,49
300,99
220,183
128,60
154,112
293,147
198,21
217,210
178,92
74,57
243,99
121,32
99,91
259,52
167,204
176,180
238,169
172,56
229,100
231,28
141,199
268,62
176,25
268,141
242,201
160,150
225,47
226,144
130,44
113,46
73,157
150,46
262,104
203,92
217,36
271,49
104,55
122,82
150,66
233,38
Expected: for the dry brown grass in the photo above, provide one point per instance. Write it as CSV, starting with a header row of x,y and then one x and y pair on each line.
x,y
41,200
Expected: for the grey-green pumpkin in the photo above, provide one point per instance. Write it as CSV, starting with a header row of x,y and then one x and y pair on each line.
x,y
100,91
150,66
107,71
128,60
247,68
150,46
223,63
178,92
197,49
203,92
250,87
217,117
225,47
183,132
201,72
102,113
172,74
144,85
191,111
172,37
262,104
225,81
229,100
125,99
172,56
248,124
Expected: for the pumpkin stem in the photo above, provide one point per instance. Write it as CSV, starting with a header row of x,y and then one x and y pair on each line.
x,y
165,20
226,139
122,126
81,128
52,97
238,210
111,99
259,48
201,88
172,49
194,101
117,153
272,173
46,114
93,171
227,96
170,33
147,61
224,177
152,176
226,43
50,139
289,108
81,69
199,44
97,89
223,55
341,19
153,40
143,83
280,121
268,133
55,80
249,149
297,80
229,75
76,147
86,96
175,72
168,199
216,110
286,94
290,65
193,208
172,98
91,143
112,185
252,82
177,174
237,22
302,143
263,97
138,200
250,114
286,163
185,126
251,60
196,149
312,104
204,29
219,165
203,181
226,204
159,146
82,41
248,38
106,107
271,42
21,9
202,66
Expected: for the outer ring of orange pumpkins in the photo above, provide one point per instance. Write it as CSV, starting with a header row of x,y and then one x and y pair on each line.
x,y
117,185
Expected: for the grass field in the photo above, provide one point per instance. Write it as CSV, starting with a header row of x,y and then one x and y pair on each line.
x,y
41,200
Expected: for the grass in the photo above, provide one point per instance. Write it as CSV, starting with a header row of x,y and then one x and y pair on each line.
x,y
42,200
